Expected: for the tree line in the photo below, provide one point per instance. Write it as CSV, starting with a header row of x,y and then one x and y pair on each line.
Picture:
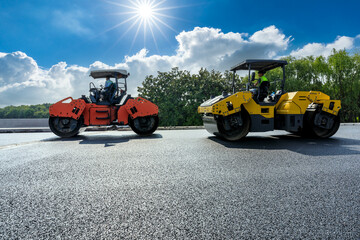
x,y
178,93
26,111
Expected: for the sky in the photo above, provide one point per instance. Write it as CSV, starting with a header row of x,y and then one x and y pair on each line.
x,y
48,47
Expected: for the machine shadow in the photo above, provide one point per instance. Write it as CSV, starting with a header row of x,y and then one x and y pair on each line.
x,y
106,140
306,146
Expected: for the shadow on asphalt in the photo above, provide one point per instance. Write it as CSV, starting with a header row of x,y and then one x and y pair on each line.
x,y
307,146
107,140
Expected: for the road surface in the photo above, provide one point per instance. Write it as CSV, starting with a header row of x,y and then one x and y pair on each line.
x,y
179,184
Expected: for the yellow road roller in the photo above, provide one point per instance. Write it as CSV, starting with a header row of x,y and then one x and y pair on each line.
x,y
233,116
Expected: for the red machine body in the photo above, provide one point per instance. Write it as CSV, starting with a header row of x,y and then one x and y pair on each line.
x,y
98,115
68,115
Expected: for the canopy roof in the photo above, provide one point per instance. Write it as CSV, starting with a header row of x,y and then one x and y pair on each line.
x,y
112,73
259,64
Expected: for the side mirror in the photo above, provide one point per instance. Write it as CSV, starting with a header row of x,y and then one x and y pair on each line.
x,y
252,76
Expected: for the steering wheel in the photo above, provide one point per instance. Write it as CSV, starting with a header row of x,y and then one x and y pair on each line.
x,y
92,87
94,92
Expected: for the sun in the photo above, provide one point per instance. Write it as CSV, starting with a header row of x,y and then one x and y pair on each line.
x,y
148,16
145,11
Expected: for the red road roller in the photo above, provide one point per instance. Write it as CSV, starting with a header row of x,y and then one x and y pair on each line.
x,y
106,106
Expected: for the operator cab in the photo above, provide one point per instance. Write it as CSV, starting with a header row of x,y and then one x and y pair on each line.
x,y
112,94
253,65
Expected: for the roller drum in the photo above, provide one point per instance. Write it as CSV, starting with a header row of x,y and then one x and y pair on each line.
x,y
210,124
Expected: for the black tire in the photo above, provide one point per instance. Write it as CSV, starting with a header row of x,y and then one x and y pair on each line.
x,y
144,125
65,127
326,133
311,130
234,133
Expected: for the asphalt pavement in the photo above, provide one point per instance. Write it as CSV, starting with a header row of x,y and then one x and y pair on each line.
x,y
179,184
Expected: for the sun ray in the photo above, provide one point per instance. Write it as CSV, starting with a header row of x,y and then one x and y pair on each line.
x,y
144,29
159,3
123,13
176,7
153,36
158,28
127,30
165,24
131,26
121,5
152,3
137,4
119,24
168,16
137,33
122,35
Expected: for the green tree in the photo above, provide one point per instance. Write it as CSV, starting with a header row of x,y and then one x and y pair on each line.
x,y
25,111
178,93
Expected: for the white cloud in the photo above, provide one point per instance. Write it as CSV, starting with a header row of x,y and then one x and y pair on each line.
x,y
271,35
22,81
317,49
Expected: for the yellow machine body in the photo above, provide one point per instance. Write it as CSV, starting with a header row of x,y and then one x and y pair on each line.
x,y
285,114
289,103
